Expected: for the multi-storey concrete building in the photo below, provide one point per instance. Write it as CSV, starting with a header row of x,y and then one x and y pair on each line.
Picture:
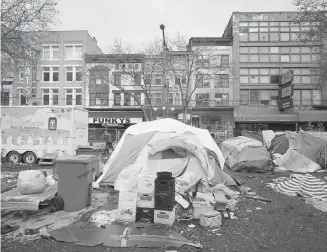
x,y
266,45
54,76
212,100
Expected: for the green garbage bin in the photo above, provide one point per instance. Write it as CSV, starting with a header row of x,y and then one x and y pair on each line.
x,y
89,150
75,177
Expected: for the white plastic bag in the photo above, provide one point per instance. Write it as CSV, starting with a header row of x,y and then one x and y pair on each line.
x,y
30,182
128,178
50,180
210,219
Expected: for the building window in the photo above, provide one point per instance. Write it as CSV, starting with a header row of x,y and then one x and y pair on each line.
x,y
50,52
221,100
244,97
224,61
137,99
127,99
202,99
22,99
117,99
202,80
157,81
50,96
180,80
259,75
157,99
117,80
73,96
99,99
258,97
221,80
5,97
50,74
73,73
73,52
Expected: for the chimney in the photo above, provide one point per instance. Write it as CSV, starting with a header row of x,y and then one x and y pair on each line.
x,y
95,40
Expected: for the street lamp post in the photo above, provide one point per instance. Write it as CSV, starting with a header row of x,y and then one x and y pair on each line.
x,y
165,49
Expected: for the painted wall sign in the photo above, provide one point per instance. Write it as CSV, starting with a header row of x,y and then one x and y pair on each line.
x,y
286,77
113,120
52,125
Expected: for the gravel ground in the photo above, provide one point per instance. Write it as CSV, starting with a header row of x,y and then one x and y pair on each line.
x,y
285,224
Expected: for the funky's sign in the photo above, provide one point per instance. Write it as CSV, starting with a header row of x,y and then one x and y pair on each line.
x,y
113,120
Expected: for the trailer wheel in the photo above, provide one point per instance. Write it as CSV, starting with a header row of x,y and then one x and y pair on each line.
x,y
30,158
14,157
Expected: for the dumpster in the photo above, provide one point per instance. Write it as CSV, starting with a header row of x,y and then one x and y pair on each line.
x,y
75,177
89,150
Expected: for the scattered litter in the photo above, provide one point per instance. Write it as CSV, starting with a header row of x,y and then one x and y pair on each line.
x,y
258,208
251,193
259,198
232,216
231,204
249,211
245,189
214,230
104,217
222,188
191,225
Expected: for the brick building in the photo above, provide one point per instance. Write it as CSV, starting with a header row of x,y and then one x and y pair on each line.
x,y
54,76
266,45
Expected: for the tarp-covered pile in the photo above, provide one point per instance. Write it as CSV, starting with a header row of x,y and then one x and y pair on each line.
x,y
243,153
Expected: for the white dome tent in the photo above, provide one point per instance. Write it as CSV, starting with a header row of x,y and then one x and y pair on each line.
x,y
166,145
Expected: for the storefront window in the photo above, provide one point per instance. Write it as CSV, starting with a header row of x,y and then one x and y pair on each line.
x,y
117,99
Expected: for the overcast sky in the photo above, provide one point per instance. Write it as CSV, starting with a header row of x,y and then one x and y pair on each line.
x,y
137,21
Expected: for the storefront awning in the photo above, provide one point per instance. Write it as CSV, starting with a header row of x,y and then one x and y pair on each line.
x,y
313,116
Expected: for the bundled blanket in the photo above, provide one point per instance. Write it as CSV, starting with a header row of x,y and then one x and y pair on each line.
x,y
301,185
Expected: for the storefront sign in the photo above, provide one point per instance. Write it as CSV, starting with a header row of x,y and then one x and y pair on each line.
x,y
286,91
112,120
285,103
286,77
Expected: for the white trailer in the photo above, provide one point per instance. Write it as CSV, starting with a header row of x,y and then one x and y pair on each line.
x,y
31,133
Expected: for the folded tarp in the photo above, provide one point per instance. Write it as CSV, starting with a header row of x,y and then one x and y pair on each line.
x,y
243,153
296,162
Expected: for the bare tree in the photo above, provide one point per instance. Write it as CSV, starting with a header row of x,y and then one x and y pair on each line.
x,y
22,23
315,13
193,68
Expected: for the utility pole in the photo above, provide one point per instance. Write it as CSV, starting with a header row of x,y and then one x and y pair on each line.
x,y
165,93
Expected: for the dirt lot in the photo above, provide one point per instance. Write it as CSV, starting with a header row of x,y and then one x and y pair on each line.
x,y
285,224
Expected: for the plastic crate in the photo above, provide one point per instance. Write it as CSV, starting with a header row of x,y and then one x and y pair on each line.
x,y
164,217
164,186
146,184
145,215
145,200
164,175
201,207
164,201
126,214
127,199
